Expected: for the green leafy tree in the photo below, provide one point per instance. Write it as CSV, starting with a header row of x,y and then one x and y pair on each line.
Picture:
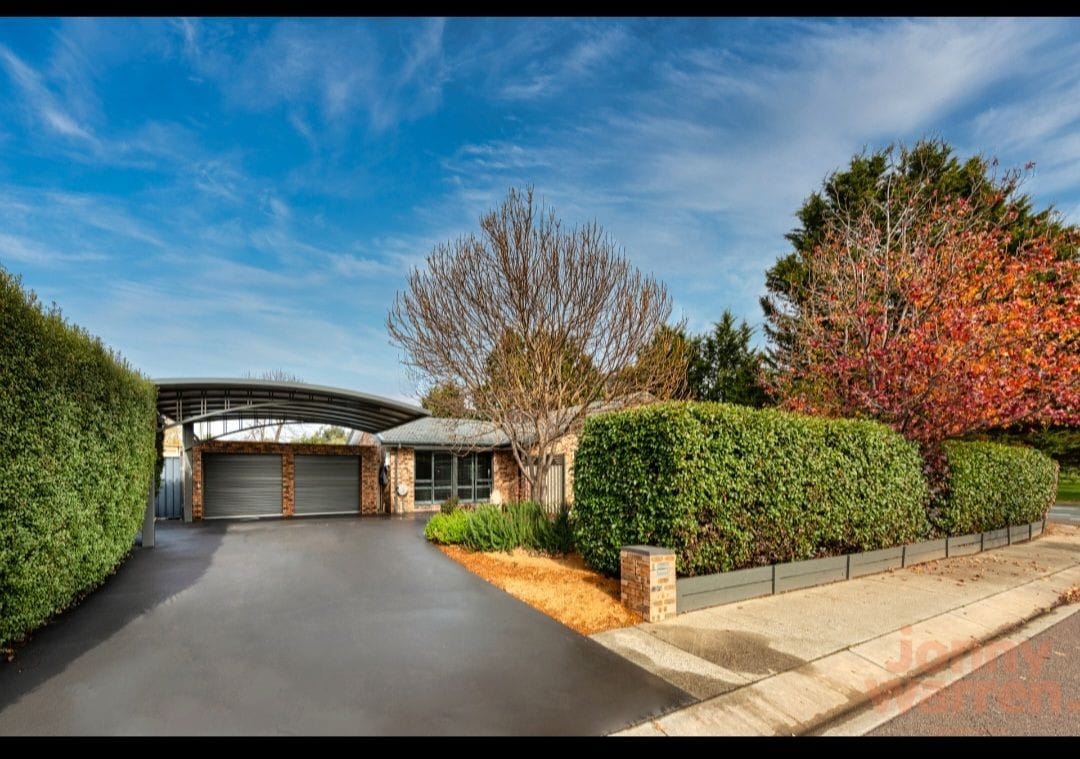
x,y
325,435
448,400
670,346
724,367
885,183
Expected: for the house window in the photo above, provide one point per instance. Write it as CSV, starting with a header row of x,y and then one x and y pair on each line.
x,y
441,474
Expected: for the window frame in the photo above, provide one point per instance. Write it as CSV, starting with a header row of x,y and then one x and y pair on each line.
x,y
426,488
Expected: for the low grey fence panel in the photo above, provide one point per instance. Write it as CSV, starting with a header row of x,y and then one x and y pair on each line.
x,y
1020,533
930,550
871,562
722,588
964,545
804,574
728,587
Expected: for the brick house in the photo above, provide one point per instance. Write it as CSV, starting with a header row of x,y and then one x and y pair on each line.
x,y
432,459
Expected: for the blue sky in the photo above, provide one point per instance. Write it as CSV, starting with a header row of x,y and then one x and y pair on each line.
x,y
214,197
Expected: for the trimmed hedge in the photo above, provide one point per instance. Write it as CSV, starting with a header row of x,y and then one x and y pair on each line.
x,y
992,485
730,487
77,452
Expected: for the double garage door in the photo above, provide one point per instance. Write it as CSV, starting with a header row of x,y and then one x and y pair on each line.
x,y
250,485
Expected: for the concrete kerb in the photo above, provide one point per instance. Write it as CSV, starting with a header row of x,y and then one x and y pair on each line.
x,y
844,677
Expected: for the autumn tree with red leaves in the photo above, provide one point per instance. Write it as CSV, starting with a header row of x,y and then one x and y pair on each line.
x,y
929,316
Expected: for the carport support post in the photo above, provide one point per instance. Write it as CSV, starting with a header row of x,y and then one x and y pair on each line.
x,y
148,518
187,445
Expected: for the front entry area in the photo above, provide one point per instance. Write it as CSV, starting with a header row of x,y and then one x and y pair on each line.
x,y
242,485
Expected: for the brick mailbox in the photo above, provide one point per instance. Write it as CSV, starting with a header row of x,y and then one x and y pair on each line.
x,y
647,581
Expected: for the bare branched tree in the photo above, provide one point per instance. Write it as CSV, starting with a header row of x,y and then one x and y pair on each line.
x,y
273,430
537,324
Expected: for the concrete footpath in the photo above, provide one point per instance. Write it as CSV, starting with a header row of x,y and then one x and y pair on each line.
x,y
810,660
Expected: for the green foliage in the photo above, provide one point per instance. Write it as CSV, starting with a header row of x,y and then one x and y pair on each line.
x,y
723,366
1059,443
729,487
450,505
489,529
513,361
560,538
159,458
448,400
77,454
993,485
1068,490
447,528
325,435
494,528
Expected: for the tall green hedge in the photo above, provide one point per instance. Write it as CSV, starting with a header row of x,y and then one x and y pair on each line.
x,y
730,487
76,457
993,485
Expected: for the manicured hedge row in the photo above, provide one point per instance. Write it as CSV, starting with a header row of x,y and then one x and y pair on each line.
x,y
993,485
76,456
730,487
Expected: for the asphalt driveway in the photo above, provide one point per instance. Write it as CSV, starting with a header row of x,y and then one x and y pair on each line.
x,y
314,626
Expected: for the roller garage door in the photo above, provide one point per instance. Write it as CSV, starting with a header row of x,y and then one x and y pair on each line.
x,y
241,485
327,484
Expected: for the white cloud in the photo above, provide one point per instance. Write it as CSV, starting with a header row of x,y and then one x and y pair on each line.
x,y
558,71
700,170
337,68
42,104
27,251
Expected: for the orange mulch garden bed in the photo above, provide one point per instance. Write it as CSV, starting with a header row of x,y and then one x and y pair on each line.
x,y
563,588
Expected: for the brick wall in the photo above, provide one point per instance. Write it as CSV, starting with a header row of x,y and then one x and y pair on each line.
x,y
511,483
367,498
506,480
402,465
647,581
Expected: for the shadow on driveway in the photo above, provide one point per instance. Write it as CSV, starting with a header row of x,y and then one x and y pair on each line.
x,y
148,577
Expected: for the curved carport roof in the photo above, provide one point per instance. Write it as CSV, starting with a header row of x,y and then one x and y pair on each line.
x,y
183,401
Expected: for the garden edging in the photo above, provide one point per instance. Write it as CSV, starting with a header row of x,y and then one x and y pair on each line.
x,y
703,591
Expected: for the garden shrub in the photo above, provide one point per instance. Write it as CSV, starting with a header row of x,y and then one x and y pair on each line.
x,y
77,453
488,529
492,528
450,505
447,528
729,487
991,485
